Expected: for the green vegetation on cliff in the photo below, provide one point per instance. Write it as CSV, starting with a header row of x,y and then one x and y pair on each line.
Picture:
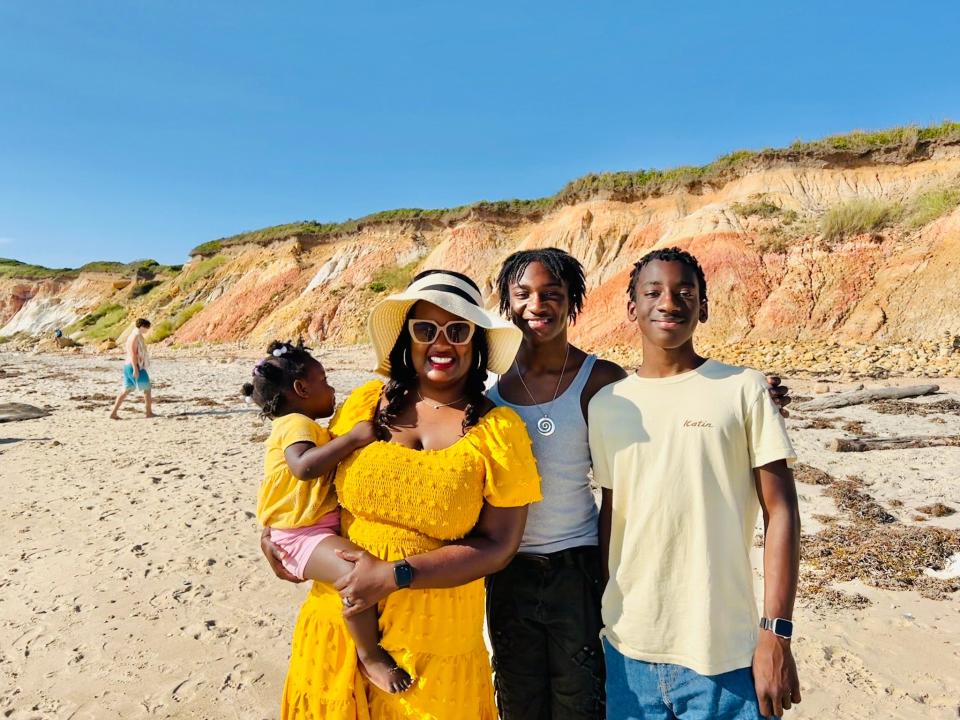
x,y
446,216
202,269
393,277
166,328
24,271
859,216
104,323
887,145
860,141
869,215
927,207
757,208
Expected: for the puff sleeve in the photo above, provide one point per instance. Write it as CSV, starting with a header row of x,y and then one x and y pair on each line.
x,y
296,428
360,405
503,444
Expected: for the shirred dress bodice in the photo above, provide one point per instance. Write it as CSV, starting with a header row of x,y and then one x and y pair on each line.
x,y
398,502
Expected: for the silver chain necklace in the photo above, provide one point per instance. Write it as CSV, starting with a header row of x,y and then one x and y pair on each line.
x,y
545,425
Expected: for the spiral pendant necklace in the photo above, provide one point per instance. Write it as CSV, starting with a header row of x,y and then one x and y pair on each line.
x,y
545,425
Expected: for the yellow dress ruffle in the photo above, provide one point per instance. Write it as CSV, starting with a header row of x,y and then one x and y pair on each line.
x,y
400,502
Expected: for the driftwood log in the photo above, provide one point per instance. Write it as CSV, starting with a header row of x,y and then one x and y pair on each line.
x,y
859,397
893,443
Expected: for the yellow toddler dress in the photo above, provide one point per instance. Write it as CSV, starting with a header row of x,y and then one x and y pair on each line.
x,y
399,502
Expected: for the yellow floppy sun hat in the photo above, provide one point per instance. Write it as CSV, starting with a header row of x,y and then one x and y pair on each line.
x,y
456,295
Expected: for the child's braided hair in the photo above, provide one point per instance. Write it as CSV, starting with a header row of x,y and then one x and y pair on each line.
x,y
273,376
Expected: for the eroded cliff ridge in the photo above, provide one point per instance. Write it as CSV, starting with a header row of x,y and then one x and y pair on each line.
x,y
848,240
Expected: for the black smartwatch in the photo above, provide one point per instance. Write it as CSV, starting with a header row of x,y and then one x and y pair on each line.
x,y
402,574
778,626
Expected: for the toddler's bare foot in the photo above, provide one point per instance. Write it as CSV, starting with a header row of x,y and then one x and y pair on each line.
x,y
380,669
114,416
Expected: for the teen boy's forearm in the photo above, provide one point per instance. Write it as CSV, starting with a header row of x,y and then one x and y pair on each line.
x,y
774,669
781,555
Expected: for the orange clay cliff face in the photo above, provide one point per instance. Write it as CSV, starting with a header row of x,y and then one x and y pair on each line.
x,y
813,246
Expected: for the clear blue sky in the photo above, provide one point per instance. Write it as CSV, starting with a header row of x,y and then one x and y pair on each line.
x,y
140,128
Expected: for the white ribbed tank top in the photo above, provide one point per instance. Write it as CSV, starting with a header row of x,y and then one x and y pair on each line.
x,y
567,515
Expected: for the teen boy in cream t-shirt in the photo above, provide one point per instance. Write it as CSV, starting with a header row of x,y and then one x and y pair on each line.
x,y
686,451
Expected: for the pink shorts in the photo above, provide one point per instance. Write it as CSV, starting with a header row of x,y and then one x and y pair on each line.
x,y
299,543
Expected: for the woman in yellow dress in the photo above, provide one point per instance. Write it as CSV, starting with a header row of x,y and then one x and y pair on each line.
x,y
437,504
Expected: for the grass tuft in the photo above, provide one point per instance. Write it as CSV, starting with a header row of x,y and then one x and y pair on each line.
x,y
184,315
928,206
104,323
757,208
203,269
161,331
165,328
394,277
858,216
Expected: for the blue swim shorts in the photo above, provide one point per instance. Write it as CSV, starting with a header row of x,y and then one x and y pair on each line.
x,y
141,383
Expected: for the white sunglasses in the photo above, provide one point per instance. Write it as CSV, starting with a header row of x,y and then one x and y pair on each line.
x,y
457,332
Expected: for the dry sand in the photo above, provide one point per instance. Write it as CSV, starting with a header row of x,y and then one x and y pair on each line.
x,y
133,586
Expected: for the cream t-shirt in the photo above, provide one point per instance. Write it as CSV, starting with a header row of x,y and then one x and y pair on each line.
x,y
678,454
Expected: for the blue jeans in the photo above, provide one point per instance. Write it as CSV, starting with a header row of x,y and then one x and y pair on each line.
x,y
638,690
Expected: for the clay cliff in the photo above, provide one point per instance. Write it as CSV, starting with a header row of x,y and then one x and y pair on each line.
x,y
838,242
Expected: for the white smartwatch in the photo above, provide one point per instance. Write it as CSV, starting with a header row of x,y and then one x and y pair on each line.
x,y
778,626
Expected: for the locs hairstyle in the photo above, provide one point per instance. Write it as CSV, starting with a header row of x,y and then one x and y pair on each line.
x,y
562,265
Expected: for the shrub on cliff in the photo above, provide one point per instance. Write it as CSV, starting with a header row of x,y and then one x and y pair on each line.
x,y
104,323
184,315
204,268
393,277
143,288
758,208
858,216
165,328
161,331
928,206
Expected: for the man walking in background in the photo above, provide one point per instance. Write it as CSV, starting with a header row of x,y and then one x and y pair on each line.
x,y
136,362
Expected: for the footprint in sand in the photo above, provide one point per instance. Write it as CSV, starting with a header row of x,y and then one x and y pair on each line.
x,y
34,638
852,668
241,676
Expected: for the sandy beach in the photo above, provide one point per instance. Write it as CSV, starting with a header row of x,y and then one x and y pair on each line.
x,y
132,583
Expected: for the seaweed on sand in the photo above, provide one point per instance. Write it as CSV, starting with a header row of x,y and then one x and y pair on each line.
x,y
876,549
810,475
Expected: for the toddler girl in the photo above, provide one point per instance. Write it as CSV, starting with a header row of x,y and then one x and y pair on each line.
x,y
297,499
